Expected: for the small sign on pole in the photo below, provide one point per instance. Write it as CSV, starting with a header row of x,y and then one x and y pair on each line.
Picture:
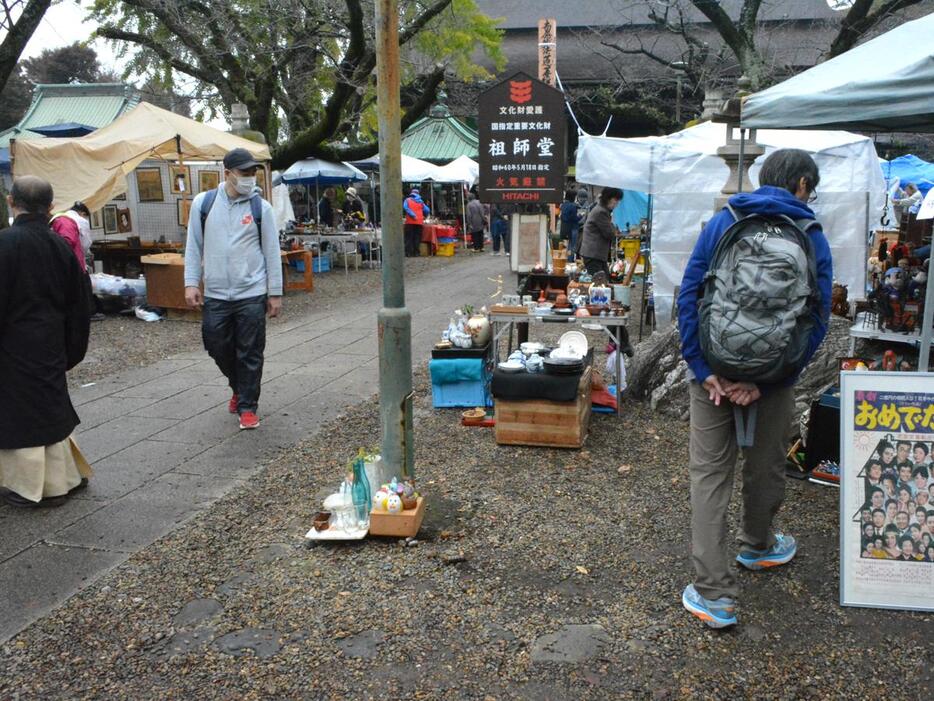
x,y
547,50
523,155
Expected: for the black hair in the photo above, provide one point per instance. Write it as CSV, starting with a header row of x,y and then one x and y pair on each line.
x,y
899,444
920,470
81,208
570,195
31,194
879,510
904,488
890,501
888,475
924,447
905,539
785,167
610,193
891,528
883,445
874,490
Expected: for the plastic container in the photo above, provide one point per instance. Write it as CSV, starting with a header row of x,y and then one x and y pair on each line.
x,y
462,394
446,249
319,264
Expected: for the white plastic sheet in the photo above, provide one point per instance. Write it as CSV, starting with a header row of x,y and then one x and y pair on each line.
x,y
684,175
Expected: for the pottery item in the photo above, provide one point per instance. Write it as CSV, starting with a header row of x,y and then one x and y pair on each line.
x,y
562,300
535,363
322,520
526,299
511,366
530,347
478,326
574,341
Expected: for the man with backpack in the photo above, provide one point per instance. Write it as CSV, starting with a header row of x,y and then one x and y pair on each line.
x,y
233,246
753,308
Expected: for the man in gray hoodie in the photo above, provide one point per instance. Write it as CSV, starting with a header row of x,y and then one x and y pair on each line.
x,y
233,247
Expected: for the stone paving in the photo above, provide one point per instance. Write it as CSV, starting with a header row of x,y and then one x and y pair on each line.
x,y
164,447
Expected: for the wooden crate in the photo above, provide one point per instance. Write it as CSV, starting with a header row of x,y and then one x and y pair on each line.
x,y
405,524
548,424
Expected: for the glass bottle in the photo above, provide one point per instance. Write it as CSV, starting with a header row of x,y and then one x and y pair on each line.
x,y
362,496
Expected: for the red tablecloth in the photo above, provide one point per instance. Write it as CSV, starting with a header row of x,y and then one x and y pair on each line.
x,y
432,232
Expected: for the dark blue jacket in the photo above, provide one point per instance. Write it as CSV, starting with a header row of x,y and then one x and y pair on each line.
x,y
569,213
765,200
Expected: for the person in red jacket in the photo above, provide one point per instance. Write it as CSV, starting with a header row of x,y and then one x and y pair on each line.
x,y
75,227
415,212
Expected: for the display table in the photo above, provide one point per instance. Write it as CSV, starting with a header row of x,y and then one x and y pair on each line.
x,y
116,255
308,281
346,242
432,232
861,329
612,325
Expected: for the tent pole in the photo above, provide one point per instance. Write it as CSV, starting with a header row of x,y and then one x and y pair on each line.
x,y
464,214
924,353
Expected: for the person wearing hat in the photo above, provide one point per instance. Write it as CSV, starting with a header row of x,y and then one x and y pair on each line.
x,y
233,249
415,212
354,207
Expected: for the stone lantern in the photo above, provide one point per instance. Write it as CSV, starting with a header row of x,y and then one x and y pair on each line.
x,y
737,153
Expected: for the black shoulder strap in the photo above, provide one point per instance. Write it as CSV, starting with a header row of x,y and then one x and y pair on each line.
x,y
256,209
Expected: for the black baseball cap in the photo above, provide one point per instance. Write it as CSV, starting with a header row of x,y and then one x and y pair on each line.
x,y
240,159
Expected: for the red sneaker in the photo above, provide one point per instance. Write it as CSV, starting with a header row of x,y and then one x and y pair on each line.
x,y
248,420
232,404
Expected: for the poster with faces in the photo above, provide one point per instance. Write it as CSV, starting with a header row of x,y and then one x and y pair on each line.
x,y
887,483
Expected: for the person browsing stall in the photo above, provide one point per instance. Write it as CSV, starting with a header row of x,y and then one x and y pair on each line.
x,y
236,256
599,232
722,326
415,212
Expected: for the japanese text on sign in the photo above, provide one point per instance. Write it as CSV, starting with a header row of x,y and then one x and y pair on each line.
x,y
894,411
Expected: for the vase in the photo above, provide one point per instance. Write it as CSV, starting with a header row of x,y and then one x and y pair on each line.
x,y
478,326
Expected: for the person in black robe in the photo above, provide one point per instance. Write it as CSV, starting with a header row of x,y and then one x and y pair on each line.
x,y
44,328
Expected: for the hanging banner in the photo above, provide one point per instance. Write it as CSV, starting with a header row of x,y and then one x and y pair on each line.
x,y
547,50
523,153
887,490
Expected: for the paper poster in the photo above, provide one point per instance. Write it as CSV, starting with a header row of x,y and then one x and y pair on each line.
x,y
887,497
927,206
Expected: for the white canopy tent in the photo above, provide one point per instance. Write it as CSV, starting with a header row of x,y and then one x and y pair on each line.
x,y
414,170
684,175
886,84
462,169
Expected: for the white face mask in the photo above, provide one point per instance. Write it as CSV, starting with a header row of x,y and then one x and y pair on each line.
x,y
245,184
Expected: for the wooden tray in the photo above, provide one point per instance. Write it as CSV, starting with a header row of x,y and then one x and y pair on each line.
x,y
405,524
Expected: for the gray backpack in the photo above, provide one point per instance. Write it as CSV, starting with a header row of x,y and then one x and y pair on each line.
x,y
760,299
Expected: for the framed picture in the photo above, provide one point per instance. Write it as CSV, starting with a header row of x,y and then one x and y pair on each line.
x,y
120,198
181,179
184,211
97,221
149,184
208,180
110,219
124,222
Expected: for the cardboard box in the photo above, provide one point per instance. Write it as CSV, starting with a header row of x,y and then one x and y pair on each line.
x,y
165,280
405,524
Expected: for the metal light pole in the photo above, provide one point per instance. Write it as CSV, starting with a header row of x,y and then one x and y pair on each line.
x,y
679,67
395,321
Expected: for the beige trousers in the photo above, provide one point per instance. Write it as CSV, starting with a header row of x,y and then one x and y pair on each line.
x,y
713,454
43,471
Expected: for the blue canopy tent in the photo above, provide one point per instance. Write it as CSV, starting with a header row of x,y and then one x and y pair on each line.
x,y
64,130
909,169
632,210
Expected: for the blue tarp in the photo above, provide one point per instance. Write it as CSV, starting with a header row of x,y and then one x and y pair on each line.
x,y
66,130
909,169
633,209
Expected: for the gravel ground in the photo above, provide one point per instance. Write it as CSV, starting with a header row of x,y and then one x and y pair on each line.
x,y
517,543
122,342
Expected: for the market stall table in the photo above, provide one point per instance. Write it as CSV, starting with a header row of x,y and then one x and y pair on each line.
x,y
347,242
611,325
432,232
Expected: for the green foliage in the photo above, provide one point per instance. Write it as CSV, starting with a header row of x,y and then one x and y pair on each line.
x,y
458,34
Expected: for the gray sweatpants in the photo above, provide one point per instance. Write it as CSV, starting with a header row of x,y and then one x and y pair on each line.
x,y
713,454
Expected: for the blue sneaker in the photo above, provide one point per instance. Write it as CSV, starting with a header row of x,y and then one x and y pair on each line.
x,y
716,614
784,549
